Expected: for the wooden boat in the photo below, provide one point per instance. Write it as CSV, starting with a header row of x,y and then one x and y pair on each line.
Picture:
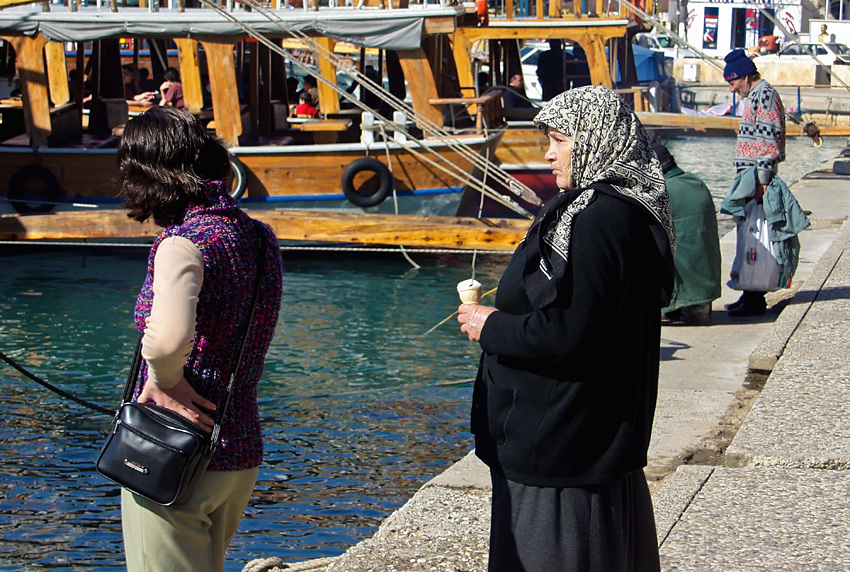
x,y
604,35
233,79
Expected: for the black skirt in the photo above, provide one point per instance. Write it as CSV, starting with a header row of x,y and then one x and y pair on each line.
x,y
599,528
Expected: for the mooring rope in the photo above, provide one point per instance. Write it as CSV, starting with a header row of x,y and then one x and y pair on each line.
x,y
53,388
52,203
106,411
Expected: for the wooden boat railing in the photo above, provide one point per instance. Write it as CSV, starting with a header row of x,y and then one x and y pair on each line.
x,y
525,9
487,108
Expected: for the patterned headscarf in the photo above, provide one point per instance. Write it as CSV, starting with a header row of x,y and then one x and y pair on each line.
x,y
610,147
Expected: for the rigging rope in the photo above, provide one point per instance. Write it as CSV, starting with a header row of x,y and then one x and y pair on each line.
x,y
395,196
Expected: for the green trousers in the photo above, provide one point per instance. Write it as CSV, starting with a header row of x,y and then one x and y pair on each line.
x,y
189,538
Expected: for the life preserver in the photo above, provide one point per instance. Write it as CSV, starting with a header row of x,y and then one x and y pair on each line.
x,y
365,196
37,184
239,181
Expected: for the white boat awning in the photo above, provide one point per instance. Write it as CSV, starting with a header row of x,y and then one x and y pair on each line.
x,y
370,28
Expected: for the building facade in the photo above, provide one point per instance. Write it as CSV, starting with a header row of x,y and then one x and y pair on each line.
x,y
718,26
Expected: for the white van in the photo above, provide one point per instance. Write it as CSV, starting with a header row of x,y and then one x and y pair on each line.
x,y
662,43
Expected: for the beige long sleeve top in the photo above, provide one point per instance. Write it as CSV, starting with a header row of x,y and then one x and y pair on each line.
x,y
170,329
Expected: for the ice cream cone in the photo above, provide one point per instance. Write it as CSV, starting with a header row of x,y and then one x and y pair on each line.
x,y
469,291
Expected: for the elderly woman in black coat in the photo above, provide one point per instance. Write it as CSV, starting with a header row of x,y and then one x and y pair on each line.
x,y
565,393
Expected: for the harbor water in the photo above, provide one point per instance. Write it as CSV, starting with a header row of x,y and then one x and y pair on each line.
x,y
359,406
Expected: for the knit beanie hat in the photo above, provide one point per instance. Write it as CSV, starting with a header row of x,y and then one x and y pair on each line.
x,y
738,64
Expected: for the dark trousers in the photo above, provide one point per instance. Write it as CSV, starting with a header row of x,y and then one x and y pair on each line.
x,y
753,298
599,528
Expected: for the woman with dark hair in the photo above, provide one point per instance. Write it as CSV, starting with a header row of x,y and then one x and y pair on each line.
x,y
193,311
171,89
565,393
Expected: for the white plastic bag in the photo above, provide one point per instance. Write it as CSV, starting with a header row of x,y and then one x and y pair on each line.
x,y
755,259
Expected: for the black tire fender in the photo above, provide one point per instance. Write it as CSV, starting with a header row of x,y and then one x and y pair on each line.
x,y
35,183
239,181
367,198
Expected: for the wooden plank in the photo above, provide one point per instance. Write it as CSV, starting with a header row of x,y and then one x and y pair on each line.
x,y
365,229
535,30
33,74
225,98
190,74
326,125
461,50
420,80
833,130
725,124
7,3
74,225
439,25
57,73
391,230
328,97
678,121
596,60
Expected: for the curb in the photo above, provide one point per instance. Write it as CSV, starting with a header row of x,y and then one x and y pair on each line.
x,y
770,348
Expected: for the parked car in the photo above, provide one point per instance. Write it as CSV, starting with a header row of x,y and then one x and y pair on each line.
x,y
662,43
529,56
829,54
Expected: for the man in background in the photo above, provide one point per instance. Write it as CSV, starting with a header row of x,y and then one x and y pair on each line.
x,y
758,151
514,96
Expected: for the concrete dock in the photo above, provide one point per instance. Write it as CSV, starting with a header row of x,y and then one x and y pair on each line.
x,y
751,444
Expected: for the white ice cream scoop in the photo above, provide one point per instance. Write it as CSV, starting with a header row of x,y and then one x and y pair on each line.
x,y
469,291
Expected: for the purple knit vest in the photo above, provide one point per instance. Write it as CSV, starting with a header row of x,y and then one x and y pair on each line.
x,y
228,241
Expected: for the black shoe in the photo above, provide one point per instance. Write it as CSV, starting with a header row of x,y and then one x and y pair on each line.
x,y
745,309
737,303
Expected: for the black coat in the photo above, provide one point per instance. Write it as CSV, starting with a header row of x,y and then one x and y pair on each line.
x,y
565,395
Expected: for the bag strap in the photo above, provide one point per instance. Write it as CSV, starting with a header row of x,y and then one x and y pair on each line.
x,y
135,367
258,282
133,376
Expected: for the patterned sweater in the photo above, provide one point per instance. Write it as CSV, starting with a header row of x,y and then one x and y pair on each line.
x,y
227,239
761,135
